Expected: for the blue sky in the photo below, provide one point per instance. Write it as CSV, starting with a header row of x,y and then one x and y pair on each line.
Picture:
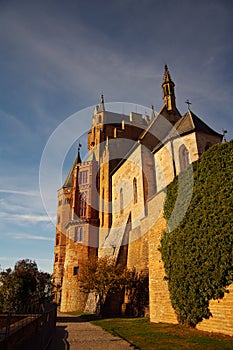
x,y
56,59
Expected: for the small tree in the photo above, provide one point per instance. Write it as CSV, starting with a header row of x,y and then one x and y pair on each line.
x,y
102,276
24,288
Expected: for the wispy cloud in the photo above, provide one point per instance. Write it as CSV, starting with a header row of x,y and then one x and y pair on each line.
x,y
22,218
33,237
24,193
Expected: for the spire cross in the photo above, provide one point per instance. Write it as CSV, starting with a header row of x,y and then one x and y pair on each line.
x,y
188,103
79,146
224,132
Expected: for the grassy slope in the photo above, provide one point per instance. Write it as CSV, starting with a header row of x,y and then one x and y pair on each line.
x,y
147,336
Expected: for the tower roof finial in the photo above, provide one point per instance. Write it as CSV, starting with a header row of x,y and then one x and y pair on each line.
x,y
152,112
101,104
79,160
167,77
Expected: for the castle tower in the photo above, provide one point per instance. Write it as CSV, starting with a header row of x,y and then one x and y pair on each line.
x,y
76,232
111,136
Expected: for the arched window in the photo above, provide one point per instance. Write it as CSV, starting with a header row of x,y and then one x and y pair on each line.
x,y
121,201
135,191
183,157
82,204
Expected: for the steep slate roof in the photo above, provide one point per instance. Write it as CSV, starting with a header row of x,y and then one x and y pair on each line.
x,y
68,180
158,129
190,122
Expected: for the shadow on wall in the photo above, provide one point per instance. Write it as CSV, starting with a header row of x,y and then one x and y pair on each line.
x,y
138,295
133,301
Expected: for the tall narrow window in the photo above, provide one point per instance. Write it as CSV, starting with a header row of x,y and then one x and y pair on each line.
x,y
135,191
83,177
78,235
57,239
81,234
102,207
82,204
121,201
183,157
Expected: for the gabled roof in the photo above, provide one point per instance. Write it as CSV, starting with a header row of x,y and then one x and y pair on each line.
x,y
191,122
158,129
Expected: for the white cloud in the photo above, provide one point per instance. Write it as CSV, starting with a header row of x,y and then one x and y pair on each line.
x,y
33,237
24,193
24,218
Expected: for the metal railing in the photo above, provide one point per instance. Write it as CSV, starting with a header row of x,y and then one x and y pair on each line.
x,y
28,330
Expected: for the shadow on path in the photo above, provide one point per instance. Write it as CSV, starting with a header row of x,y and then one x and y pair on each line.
x,y
77,333
71,319
59,340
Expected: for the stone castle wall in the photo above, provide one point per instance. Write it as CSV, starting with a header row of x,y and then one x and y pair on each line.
x,y
222,315
161,309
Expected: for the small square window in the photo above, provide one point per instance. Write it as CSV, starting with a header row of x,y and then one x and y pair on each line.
x,y
76,269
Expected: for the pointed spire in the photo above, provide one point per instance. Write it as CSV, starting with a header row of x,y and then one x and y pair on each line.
x,y
79,160
168,90
101,104
167,77
152,116
68,180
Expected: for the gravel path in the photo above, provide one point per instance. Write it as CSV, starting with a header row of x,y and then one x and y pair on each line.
x,y
72,333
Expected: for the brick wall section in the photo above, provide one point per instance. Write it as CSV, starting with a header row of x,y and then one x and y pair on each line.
x,y
161,309
222,311
138,252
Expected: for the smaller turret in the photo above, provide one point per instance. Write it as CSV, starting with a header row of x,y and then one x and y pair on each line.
x,y
168,91
100,107
101,104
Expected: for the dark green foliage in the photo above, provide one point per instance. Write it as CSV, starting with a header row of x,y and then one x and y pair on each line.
x,y
198,253
24,288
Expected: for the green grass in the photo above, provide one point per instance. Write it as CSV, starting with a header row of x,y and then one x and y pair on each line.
x,y
160,336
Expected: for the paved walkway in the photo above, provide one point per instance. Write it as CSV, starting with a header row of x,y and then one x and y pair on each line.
x,y
73,333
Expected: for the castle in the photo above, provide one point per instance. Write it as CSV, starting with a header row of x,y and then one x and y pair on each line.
x,y
112,202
